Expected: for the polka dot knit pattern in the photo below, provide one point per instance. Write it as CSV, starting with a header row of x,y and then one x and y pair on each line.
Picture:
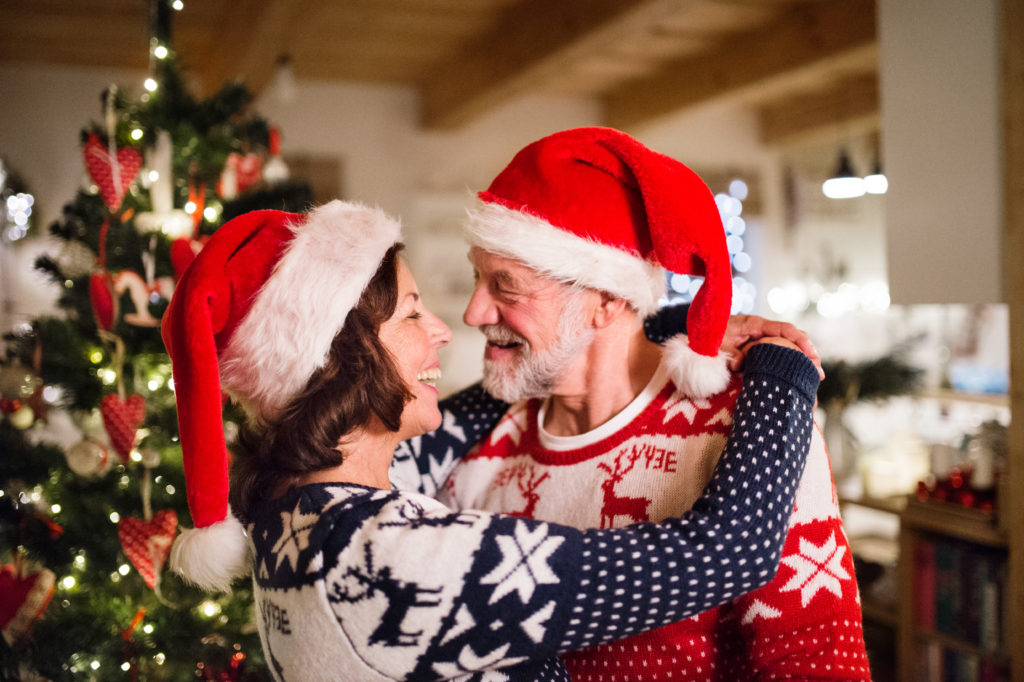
x,y
651,463
745,471
351,571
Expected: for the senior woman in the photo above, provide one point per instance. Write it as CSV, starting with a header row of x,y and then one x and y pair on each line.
x,y
315,326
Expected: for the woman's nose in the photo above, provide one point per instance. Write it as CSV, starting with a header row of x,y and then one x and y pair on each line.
x,y
441,335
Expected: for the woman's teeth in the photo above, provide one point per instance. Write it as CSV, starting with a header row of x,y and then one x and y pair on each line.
x,y
430,376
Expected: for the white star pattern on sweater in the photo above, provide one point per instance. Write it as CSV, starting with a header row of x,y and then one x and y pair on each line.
x,y
450,424
817,568
524,563
295,536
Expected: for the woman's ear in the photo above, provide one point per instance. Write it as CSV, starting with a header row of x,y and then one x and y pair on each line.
x,y
608,309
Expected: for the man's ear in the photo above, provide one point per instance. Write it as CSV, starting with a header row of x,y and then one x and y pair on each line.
x,y
608,309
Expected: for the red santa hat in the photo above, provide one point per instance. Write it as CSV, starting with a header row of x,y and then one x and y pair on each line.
x,y
254,317
595,207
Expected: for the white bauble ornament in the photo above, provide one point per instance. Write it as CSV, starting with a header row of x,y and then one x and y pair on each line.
x,y
276,170
23,417
88,458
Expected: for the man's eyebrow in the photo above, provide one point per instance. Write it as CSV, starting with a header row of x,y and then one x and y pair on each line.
x,y
505,278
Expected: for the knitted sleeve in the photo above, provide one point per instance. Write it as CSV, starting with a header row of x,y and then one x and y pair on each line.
x,y
422,464
730,541
806,623
503,590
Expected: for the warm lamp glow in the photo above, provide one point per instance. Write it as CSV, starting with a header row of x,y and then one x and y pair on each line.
x,y
844,183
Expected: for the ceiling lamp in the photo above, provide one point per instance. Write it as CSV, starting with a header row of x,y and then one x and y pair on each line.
x,y
876,183
844,183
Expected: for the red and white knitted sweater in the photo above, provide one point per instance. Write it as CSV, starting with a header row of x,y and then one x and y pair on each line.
x,y
652,461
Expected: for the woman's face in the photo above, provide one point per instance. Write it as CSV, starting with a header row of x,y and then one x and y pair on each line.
x,y
413,336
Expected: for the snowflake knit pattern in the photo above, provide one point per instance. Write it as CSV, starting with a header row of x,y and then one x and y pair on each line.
x,y
355,583
650,462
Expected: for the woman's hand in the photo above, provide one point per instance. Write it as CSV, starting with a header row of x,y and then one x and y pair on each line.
x,y
743,331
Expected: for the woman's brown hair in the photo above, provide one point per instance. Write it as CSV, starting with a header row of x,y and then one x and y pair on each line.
x,y
358,381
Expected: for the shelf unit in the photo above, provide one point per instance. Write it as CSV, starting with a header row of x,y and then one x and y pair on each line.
x,y
948,525
881,616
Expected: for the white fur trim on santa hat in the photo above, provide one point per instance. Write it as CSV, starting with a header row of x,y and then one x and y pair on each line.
x,y
561,255
695,375
212,557
287,333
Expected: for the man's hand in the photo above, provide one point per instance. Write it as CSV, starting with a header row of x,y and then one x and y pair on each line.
x,y
744,330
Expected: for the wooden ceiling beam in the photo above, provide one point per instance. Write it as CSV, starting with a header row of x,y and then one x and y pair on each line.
x,y
851,104
808,39
533,38
253,37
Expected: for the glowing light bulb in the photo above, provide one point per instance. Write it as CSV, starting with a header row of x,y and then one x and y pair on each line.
x,y
150,84
738,189
876,183
137,134
160,52
843,188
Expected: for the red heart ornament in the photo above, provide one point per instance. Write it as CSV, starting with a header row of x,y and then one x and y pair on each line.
x,y
121,418
113,173
23,600
147,543
248,169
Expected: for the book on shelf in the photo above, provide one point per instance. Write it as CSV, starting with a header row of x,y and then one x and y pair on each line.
x,y
940,664
924,583
958,592
948,595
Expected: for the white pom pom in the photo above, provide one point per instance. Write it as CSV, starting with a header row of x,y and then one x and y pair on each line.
x,y
212,557
695,375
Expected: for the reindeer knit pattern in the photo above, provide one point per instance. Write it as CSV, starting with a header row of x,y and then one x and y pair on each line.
x,y
355,583
651,462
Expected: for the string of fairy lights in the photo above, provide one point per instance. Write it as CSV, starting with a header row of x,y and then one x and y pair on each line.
x,y
682,288
15,215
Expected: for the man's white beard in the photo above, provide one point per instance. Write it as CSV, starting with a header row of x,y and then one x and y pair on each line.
x,y
530,373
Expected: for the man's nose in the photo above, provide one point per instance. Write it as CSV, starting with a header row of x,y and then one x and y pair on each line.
x,y
481,309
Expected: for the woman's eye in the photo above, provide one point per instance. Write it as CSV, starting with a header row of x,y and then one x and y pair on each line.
x,y
415,316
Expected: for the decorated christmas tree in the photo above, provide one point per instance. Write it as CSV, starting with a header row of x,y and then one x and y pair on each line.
x,y
91,483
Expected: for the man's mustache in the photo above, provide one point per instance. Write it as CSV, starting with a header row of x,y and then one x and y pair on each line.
x,y
501,335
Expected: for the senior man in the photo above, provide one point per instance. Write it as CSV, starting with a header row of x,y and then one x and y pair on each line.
x,y
597,425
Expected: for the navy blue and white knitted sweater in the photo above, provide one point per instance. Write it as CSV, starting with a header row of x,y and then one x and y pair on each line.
x,y
355,583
